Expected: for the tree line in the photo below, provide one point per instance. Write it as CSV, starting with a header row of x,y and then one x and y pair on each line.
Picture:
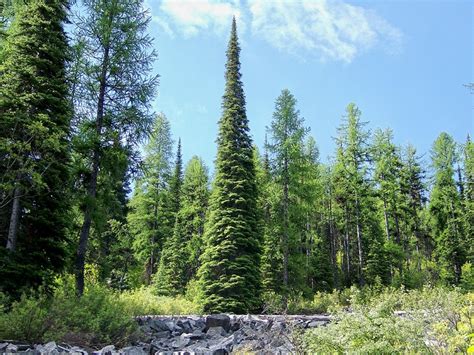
x,y
78,195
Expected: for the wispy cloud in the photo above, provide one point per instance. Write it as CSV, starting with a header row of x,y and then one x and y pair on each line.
x,y
190,17
330,29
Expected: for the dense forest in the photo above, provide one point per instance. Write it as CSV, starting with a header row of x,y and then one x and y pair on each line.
x,y
92,183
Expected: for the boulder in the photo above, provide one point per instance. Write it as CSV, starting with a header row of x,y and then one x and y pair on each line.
x,y
216,332
106,350
218,320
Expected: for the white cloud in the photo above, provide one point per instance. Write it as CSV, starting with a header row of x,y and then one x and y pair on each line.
x,y
190,17
332,30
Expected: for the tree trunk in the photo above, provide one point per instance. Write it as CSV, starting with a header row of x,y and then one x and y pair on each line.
x,y
332,243
14,220
92,190
347,249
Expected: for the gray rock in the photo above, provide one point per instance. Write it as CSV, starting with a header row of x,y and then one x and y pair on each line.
x,y
11,348
107,350
223,347
171,325
133,350
197,334
218,320
186,326
180,342
216,332
3,346
77,350
158,325
315,324
163,334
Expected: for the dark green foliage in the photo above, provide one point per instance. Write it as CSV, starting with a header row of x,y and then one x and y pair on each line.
x,y
229,274
34,155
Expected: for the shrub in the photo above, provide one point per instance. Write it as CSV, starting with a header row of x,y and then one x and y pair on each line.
x,y
467,277
101,316
434,320
27,319
143,301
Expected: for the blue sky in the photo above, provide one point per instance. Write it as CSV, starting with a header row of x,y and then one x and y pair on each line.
x,y
404,63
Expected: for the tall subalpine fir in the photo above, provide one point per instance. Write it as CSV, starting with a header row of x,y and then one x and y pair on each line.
x,y
176,182
169,278
229,275
34,127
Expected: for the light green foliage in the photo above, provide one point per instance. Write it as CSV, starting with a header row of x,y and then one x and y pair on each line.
x,y
229,273
96,319
445,210
387,176
144,301
363,254
100,317
433,320
149,218
468,160
467,278
292,247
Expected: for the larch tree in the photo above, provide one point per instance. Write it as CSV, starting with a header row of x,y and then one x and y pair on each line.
x,y
413,199
293,171
445,209
34,142
149,220
192,214
469,196
114,91
355,195
229,274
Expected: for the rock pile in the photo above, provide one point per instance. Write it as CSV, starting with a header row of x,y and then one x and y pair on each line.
x,y
223,334
208,335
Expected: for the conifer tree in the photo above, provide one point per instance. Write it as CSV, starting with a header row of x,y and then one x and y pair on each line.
x,y
34,134
112,96
176,182
445,209
469,196
355,195
412,190
170,274
149,219
229,275
286,149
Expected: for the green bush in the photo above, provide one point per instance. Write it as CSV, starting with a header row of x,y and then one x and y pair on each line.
x,y
101,316
27,320
95,319
143,301
433,320
467,277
